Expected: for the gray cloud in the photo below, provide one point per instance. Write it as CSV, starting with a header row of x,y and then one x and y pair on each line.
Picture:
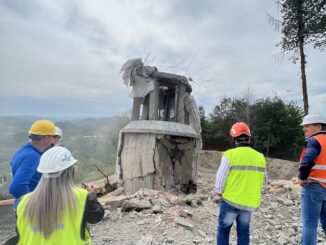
x,y
74,49
86,27
24,9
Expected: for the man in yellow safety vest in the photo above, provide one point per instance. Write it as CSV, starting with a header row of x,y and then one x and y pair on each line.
x,y
238,185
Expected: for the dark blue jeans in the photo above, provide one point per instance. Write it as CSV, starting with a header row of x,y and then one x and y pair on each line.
x,y
226,218
313,209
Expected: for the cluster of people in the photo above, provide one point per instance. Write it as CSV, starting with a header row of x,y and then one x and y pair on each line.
x,y
49,207
242,174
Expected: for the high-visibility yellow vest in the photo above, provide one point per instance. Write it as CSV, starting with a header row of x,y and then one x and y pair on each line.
x,y
245,179
68,232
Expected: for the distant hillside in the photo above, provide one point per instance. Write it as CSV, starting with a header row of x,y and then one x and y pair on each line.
x,y
92,141
17,120
87,126
12,125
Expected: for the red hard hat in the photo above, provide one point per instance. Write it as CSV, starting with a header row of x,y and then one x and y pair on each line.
x,y
239,128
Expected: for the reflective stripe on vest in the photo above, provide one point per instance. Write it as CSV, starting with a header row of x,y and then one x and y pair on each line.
x,y
243,167
67,232
320,167
245,179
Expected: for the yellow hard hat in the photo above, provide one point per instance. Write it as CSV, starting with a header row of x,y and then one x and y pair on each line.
x,y
42,127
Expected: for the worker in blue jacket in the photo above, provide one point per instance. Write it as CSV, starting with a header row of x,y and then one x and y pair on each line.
x,y
26,160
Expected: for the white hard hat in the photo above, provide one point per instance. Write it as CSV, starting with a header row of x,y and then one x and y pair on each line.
x,y
58,131
313,118
55,160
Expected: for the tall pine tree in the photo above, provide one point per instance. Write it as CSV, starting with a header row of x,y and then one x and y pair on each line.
x,y
304,22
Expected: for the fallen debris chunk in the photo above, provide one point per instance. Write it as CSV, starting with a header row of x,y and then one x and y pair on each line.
x,y
169,240
135,204
156,209
117,192
113,201
183,222
146,240
184,213
202,233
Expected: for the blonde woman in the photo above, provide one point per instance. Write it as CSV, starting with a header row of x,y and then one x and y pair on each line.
x,y
57,212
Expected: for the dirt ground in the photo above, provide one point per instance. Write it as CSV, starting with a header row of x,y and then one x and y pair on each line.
x,y
148,227
175,218
277,168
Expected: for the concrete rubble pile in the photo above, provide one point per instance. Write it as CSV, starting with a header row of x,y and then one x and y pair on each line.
x,y
157,211
158,217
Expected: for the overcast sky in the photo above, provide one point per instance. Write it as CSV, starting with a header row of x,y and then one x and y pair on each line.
x,y
62,58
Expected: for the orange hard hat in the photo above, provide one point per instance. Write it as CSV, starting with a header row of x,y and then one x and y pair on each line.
x,y
240,128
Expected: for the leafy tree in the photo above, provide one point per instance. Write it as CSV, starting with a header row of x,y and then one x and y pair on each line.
x,y
276,128
221,119
275,125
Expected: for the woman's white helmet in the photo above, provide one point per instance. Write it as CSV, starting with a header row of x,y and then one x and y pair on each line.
x,y
54,161
313,118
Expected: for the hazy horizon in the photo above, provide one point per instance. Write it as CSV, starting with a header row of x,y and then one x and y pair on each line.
x,y
60,117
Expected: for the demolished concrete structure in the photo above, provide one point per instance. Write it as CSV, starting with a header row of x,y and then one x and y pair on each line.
x,y
160,150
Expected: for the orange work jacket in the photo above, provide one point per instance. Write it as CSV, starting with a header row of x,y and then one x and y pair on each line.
x,y
318,171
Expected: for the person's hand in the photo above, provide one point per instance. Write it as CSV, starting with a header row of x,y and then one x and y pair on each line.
x,y
92,189
217,197
7,202
302,182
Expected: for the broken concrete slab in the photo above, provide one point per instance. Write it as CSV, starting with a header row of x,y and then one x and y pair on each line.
x,y
184,222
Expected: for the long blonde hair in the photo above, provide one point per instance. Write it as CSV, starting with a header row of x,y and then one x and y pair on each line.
x,y
46,205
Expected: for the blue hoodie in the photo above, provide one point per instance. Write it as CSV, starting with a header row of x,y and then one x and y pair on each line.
x,y
24,174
